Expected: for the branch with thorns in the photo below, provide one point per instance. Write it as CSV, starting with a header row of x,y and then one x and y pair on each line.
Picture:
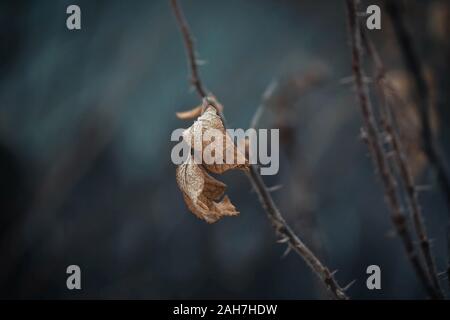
x,y
374,141
429,145
400,160
283,230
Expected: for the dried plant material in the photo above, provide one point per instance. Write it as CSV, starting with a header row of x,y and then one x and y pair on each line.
x,y
202,193
212,101
280,225
208,134
190,114
197,111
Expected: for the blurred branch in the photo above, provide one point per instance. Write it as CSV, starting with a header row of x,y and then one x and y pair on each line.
x,y
377,152
300,199
268,93
281,227
281,96
401,161
413,65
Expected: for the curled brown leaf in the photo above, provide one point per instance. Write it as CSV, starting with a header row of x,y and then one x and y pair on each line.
x,y
202,193
231,157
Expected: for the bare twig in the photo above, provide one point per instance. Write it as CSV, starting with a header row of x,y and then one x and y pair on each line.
x,y
285,233
189,44
281,227
413,64
298,198
414,67
378,154
268,92
401,162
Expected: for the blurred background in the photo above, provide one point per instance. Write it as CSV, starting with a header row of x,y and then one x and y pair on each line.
x,y
85,170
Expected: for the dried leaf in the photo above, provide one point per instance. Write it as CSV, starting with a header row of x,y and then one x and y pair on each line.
x,y
195,136
197,111
190,114
202,193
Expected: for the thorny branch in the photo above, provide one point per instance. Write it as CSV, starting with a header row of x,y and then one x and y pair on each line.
x,y
415,69
287,235
190,49
428,144
377,152
281,227
401,161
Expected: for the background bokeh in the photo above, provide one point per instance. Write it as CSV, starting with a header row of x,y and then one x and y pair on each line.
x,y
85,170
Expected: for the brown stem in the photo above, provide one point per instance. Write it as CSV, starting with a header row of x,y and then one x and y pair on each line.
x,y
281,227
413,64
377,151
189,45
287,235
401,162
414,67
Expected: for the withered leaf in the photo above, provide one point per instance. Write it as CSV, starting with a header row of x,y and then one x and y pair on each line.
x,y
190,114
202,193
195,136
197,111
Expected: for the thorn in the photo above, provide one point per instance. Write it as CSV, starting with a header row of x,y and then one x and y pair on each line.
x,y
349,285
346,80
333,273
201,62
387,138
275,188
286,252
363,134
283,240
442,274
